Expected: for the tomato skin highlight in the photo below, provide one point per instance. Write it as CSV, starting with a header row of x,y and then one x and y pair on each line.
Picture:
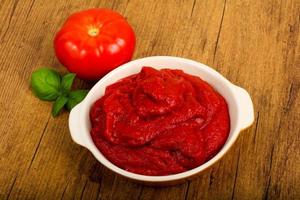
x,y
93,42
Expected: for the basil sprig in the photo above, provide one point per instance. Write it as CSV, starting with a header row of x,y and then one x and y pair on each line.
x,y
75,97
45,84
48,85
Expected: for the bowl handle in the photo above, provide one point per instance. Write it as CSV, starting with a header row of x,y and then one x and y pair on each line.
x,y
245,106
74,125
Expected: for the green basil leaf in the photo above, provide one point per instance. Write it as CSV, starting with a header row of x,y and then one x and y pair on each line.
x,y
45,84
67,82
58,105
75,97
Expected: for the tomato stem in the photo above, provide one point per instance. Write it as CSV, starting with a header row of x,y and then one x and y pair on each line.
x,y
93,31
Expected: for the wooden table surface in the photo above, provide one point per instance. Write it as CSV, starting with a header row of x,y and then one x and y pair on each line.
x,y
255,44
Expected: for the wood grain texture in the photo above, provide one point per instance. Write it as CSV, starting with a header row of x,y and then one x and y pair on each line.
x,y
255,44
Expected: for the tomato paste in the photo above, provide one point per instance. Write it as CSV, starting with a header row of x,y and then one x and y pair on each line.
x,y
159,122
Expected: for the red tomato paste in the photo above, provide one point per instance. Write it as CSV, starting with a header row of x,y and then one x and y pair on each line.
x,y
159,122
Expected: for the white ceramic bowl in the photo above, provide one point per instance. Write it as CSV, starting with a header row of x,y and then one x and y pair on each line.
x,y
238,100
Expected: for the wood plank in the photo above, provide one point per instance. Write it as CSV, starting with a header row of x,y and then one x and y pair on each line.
x,y
35,168
268,88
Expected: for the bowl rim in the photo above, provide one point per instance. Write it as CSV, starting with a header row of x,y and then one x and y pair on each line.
x,y
84,107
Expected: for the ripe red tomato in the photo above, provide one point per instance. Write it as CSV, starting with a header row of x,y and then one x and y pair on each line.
x,y
93,42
